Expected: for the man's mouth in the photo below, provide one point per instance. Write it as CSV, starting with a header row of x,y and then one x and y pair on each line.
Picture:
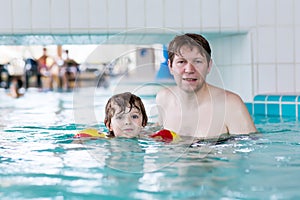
x,y
189,79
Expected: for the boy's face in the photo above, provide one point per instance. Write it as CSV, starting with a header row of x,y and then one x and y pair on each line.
x,y
126,124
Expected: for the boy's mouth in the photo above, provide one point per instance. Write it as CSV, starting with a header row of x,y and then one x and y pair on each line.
x,y
128,129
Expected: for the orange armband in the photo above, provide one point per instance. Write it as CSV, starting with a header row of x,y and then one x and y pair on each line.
x,y
89,132
166,136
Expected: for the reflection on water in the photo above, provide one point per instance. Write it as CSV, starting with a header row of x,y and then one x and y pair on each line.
x,y
36,109
39,161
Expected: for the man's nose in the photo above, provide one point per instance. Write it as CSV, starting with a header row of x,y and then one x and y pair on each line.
x,y
189,67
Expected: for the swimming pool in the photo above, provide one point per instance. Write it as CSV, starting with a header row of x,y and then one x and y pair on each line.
x,y
39,161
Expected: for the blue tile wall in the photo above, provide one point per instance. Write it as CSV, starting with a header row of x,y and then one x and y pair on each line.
x,y
249,107
298,107
288,110
276,105
259,109
273,109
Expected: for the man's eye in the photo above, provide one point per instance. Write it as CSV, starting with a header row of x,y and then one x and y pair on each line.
x,y
198,62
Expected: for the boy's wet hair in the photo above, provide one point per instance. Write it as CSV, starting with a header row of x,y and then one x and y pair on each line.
x,y
191,40
123,101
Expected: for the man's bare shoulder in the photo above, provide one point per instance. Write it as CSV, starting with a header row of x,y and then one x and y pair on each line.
x,y
164,92
228,96
233,99
236,109
238,118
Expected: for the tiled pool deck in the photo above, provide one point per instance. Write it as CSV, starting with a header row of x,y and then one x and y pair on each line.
x,y
275,105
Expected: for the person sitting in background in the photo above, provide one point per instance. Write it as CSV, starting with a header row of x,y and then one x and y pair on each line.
x,y
15,86
193,107
56,69
16,69
69,71
44,70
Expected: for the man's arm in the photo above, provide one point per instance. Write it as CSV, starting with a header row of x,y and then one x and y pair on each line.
x,y
238,119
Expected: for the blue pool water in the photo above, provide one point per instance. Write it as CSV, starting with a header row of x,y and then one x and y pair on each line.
x,y
39,161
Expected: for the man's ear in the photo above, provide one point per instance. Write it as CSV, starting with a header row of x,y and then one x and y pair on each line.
x,y
170,66
210,64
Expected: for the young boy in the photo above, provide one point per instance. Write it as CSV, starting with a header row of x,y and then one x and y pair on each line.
x,y
125,115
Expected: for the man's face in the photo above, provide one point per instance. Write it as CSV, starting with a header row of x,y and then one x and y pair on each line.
x,y
190,69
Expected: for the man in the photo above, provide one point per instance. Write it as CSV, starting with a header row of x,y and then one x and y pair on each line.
x,y
194,107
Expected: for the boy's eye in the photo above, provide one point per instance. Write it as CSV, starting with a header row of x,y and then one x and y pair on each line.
x,y
119,117
135,116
